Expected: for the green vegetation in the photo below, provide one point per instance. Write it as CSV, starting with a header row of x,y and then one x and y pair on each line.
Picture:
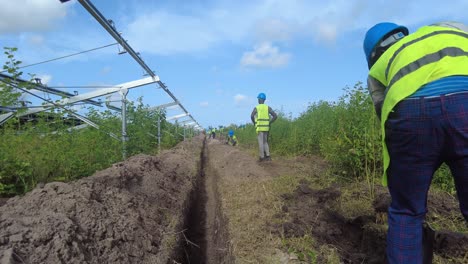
x,y
345,132
44,148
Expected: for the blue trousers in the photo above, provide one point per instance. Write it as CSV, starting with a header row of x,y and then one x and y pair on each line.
x,y
421,134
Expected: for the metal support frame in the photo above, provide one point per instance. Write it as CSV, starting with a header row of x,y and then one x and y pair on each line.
x,y
5,117
110,28
163,106
78,127
189,124
87,96
124,93
159,132
43,88
91,123
176,117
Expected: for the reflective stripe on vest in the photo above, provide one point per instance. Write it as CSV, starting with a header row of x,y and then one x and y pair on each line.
x,y
428,59
262,121
395,54
429,54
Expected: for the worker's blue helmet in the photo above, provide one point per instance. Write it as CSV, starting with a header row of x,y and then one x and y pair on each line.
x,y
231,133
261,96
377,34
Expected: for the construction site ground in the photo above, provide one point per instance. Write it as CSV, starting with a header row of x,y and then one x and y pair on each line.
x,y
207,202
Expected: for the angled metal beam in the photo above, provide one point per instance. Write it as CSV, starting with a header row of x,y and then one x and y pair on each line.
x,y
78,127
106,91
185,121
5,117
7,109
41,88
90,95
189,124
163,106
173,107
116,35
91,123
46,89
176,117
74,128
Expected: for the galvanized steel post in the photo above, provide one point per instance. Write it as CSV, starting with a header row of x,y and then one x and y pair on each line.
x,y
124,93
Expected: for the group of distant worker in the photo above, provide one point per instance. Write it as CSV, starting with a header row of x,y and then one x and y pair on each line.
x,y
419,86
231,139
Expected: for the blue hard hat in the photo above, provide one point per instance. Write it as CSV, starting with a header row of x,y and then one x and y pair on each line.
x,y
231,132
377,33
261,96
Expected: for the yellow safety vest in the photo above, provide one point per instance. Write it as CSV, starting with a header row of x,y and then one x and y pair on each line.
x,y
232,140
429,54
262,121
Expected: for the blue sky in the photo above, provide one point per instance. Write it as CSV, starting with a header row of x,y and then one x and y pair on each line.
x,y
215,56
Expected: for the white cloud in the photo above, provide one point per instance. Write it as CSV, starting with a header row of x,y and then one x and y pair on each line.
x,y
29,15
169,31
45,78
265,55
204,104
35,40
165,33
105,70
326,33
166,28
241,100
274,29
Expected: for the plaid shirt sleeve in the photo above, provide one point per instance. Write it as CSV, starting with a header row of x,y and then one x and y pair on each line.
x,y
377,93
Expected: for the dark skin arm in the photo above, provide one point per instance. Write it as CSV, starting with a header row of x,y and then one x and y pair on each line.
x,y
252,116
273,115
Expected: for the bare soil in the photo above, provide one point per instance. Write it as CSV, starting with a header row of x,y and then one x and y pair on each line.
x,y
203,202
132,212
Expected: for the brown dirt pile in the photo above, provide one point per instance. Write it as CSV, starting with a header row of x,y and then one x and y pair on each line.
x,y
132,212
362,239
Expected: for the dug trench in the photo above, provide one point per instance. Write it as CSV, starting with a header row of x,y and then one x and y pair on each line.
x,y
206,239
146,209
206,202
133,212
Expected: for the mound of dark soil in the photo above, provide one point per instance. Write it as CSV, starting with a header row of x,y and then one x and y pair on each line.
x,y
132,212
362,239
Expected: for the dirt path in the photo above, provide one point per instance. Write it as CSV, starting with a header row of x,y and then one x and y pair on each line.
x,y
206,202
289,211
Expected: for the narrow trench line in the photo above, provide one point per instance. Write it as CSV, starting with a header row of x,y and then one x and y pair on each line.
x,y
193,247
206,239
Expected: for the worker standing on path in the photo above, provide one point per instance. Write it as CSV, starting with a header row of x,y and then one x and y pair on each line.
x,y
261,118
231,139
419,85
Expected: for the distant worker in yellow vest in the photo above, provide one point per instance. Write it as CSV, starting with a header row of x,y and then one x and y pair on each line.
x,y
231,139
261,118
213,132
419,85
